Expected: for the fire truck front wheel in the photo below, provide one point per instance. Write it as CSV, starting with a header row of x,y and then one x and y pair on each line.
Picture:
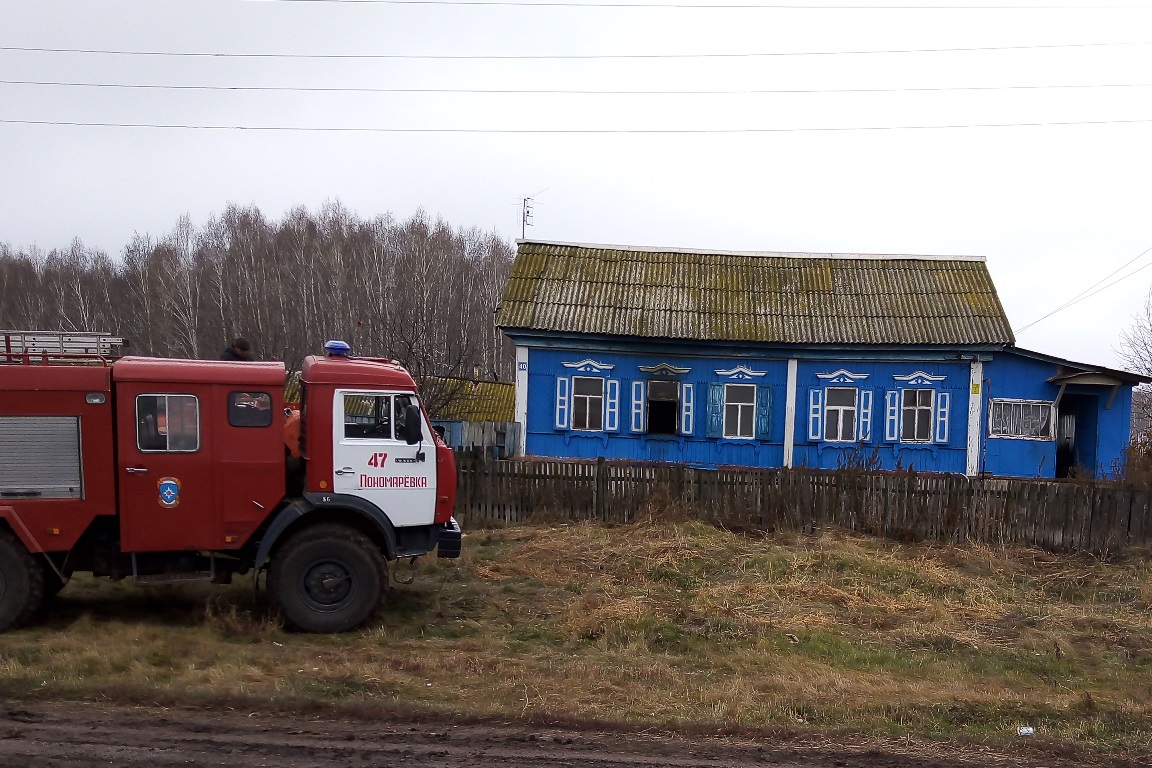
x,y
21,583
328,578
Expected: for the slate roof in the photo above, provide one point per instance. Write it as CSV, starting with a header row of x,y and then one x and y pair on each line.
x,y
786,298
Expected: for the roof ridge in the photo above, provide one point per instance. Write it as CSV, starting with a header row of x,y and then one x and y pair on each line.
x,y
761,254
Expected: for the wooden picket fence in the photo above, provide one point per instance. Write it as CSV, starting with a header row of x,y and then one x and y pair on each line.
x,y
1098,517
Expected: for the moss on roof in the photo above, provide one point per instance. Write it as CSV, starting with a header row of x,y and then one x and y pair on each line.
x,y
786,298
469,400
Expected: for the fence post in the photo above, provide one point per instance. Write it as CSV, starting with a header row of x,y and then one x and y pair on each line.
x,y
600,489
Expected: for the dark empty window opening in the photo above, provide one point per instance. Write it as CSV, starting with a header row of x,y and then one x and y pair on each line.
x,y
663,407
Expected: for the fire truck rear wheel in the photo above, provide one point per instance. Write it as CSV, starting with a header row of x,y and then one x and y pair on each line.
x,y
328,578
21,583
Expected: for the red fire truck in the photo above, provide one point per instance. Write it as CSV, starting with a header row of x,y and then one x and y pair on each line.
x,y
190,470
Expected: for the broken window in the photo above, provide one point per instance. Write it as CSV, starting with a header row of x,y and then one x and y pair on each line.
x,y
663,407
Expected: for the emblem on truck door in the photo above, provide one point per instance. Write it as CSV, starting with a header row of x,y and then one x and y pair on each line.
x,y
169,488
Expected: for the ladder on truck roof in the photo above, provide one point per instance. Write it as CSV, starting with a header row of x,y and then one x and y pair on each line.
x,y
15,345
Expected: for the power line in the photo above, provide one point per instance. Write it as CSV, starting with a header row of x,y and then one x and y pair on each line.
x,y
1084,294
569,131
726,6
551,56
568,91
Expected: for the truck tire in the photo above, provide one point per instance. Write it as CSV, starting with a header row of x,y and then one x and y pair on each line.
x,y
327,578
21,583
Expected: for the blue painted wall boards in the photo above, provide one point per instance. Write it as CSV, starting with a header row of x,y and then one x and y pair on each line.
x,y
878,413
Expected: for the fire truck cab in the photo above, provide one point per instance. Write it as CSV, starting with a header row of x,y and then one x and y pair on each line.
x,y
189,470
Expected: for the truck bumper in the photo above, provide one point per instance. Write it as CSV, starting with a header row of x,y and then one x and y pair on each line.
x,y
448,539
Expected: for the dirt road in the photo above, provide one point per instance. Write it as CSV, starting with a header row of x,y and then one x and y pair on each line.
x,y
83,735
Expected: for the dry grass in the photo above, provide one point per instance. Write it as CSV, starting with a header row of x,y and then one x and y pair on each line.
x,y
663,622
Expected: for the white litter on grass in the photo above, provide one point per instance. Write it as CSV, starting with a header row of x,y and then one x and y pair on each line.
x,y
1025,730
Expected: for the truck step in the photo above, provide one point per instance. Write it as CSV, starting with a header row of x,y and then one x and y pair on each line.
x,y
154,579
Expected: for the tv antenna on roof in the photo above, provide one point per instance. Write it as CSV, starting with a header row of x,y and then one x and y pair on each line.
x,y
526,210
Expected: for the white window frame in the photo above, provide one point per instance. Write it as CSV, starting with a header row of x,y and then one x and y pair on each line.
x,y
588,405
840,410
167,428
1015,403
744,411
927,412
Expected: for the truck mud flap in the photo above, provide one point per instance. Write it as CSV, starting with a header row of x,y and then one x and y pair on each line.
x,y
449,538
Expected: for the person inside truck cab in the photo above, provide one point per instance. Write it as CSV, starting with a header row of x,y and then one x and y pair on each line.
x,y
241,349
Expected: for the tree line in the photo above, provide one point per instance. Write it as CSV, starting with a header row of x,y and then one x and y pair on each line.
x,y
417,290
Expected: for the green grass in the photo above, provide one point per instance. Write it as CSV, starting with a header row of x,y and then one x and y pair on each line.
x,y
665,624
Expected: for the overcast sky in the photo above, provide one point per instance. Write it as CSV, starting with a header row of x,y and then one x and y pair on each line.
x,y
1053,208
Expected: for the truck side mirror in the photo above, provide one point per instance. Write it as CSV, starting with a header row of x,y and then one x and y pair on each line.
x,y
411,430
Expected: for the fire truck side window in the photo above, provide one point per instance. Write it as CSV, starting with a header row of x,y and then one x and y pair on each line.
x,y
402,402
250,409
168,423
368,416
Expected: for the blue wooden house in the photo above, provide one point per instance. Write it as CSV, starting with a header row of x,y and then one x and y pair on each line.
x,y
795,359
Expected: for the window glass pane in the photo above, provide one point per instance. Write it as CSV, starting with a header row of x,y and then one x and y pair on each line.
x,y
841,396
740,393
368,416
168,423
924,426
580,413
183,423
151,434
587,386
731,419
250,409
595,413
400,405
1014,419
908,426
848,425
832,426
746,418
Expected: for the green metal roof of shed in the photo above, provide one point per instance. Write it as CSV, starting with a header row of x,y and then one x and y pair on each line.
x,y
473,400
786,298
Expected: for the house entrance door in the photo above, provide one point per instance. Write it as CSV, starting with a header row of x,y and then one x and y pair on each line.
x,y
1076,436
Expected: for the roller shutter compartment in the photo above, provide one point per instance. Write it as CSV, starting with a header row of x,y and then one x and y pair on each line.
x,y
40,457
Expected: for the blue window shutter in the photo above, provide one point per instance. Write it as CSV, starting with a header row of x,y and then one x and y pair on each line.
x,y
561,402
763,412
612,406
688,410
637,406
715,410
943,400
866,416
815,413
892,415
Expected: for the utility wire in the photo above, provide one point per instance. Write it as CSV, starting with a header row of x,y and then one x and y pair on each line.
x,y
1084,294
550,56
726,6
567,91
567,131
